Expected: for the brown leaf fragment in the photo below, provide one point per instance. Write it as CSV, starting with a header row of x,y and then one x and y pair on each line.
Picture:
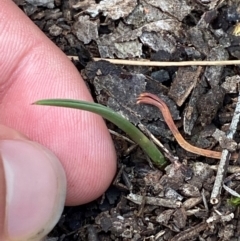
x,y
190,112
118,89
202,171
214,73
207,18
103,67
218,217
172,194
170,25
83,5
231,84
201,39
228,144
225,142
92,233
122,42
215,4
189,190
199,213
192,202
234,49
85,29
190,233
113,9
105,221
128,49
55,30
159,41
158,128
183,83
180,9
192,53
209,103
173,179
124,227
152,177
118,225
176,172
180,218
44,3
145,13
202,175
227,232
160,75
204,138
165,216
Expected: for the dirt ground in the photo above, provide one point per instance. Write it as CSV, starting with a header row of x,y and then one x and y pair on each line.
x,y
193,197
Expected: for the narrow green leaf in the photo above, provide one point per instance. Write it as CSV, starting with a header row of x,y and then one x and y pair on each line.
x,y
136,135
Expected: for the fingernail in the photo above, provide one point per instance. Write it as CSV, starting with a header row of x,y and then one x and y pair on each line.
x,y
34,184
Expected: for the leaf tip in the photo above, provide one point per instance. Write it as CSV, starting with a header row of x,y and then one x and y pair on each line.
x,y
36,102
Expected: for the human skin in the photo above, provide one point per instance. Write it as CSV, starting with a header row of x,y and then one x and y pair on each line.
x,y
33,68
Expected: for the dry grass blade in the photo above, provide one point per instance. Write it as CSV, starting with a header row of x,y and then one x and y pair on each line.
x,y
151,99
166,64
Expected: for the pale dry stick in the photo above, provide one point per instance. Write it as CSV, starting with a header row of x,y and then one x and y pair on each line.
x,y
129,149
190,233
223,165
163,202
231,169
204,200
154,139
231,191
167,153
152,99
121,136
164,63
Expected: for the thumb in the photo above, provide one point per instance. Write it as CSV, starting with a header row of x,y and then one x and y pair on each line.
x,y
33,190
33,68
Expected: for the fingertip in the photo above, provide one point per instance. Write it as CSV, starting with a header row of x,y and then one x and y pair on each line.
x,y
35,190
91,177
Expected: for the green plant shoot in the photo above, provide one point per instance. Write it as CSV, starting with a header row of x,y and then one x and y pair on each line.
x,y
234,201
134,133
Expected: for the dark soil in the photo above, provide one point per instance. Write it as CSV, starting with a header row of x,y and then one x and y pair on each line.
x,y
145,203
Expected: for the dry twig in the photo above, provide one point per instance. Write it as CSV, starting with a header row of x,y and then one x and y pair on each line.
x,y
163,202
167,153
166,64
223,165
